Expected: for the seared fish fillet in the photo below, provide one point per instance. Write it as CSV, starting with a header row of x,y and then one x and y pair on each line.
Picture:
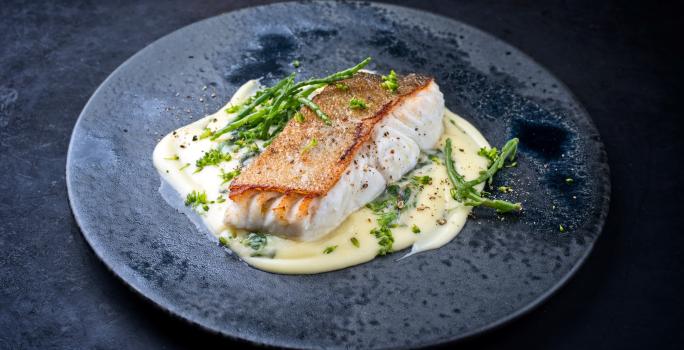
x,y
302,192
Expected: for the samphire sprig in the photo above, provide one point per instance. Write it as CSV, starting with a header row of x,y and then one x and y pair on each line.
x,y
265,114
464,191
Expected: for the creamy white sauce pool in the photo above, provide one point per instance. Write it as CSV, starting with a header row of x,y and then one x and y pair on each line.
x,y
439,217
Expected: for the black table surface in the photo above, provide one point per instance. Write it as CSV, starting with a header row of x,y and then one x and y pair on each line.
x,y
619,58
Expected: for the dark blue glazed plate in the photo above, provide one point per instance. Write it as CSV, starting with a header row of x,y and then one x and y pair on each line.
x,y
494,271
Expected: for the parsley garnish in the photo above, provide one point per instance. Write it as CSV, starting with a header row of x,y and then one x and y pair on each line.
x,y
489,153
228,176
299,117
355,242
256,241
422,180
206,133
389,205
505,189
296,63
390,81
213,157
330,249
434,158
357,103
223,240
415,229
342,86
196,200
232,109
310,145
385,239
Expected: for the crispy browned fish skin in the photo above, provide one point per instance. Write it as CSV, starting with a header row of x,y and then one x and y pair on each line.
x,y
286,167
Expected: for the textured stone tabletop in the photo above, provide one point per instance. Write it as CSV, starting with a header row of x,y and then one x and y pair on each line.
x,y
617,58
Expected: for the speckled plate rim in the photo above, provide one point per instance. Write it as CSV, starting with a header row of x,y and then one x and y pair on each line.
x,y
532,305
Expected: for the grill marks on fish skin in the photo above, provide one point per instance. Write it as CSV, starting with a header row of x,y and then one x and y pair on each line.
x,y
288,167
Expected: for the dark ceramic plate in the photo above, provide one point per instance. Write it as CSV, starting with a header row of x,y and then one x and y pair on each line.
x,y
492,272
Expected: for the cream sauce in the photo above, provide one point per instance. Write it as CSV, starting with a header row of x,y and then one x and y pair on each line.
x,y
438,216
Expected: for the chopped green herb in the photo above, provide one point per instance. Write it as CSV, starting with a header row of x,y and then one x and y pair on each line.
x,y
464,191
505,189
299,117
196,200
385,239
387,219
310,145
256,241
296,63
213,157
434,158
415,229
355,242
173,157
232,109
390,204
228,176
561,228
330,249
390,81
342,86
220,199
357,103
569,181
184,166
489,153
223,240
422,180
206,133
